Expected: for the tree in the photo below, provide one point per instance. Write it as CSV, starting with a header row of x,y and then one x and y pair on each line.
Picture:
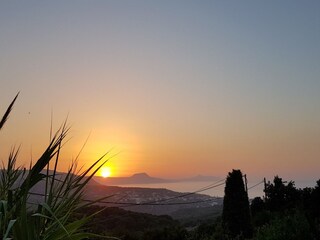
x,y
236,212
293,226
315,198
280,197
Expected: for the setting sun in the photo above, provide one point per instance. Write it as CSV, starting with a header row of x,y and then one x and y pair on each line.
x,y
105,172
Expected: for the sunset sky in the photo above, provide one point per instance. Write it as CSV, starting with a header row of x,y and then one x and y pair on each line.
x,y
173,88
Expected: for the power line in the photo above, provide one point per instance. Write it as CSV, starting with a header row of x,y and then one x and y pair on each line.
x,y
213,185
155,204
144,204
158,202
256,185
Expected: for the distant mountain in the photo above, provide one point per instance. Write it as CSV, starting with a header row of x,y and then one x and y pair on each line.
x,y
138,178
144,178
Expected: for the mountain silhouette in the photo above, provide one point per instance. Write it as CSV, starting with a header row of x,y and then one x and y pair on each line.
x,y
144,178
138,178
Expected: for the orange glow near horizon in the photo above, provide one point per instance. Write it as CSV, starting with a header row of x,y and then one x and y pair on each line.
x,y
105,172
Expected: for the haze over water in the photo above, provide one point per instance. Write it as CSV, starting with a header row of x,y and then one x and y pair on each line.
x,y
192,187
214,192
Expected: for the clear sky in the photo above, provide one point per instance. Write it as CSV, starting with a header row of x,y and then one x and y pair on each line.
x,y
177,88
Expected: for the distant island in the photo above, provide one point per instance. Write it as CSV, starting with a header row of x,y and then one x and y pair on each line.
x,y
144,178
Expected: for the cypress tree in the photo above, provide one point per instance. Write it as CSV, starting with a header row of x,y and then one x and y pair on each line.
x,y
236,212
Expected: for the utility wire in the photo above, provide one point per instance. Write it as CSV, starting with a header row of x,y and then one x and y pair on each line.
x,y
256,185
158,202
213,185
155,204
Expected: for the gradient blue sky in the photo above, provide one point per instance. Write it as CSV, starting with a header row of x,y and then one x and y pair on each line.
x,y
177,87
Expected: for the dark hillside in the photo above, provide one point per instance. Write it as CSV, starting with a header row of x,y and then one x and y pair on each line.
x,y
131,225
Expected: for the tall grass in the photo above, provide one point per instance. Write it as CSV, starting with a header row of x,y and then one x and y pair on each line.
x,y
52,217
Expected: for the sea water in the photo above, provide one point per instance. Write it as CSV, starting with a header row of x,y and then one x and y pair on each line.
x,y
198,187
255,189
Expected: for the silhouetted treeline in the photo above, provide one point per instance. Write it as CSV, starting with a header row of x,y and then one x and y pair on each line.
x,y
285,213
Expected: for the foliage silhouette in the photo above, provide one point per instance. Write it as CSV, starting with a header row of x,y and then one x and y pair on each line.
x,y
280,196
51,217
131,225
236,213
293,226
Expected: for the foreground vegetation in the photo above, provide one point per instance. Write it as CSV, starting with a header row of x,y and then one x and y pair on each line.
x,y
285,213
52,217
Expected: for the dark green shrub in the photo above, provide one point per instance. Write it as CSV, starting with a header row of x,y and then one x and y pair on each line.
x,y
288,227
